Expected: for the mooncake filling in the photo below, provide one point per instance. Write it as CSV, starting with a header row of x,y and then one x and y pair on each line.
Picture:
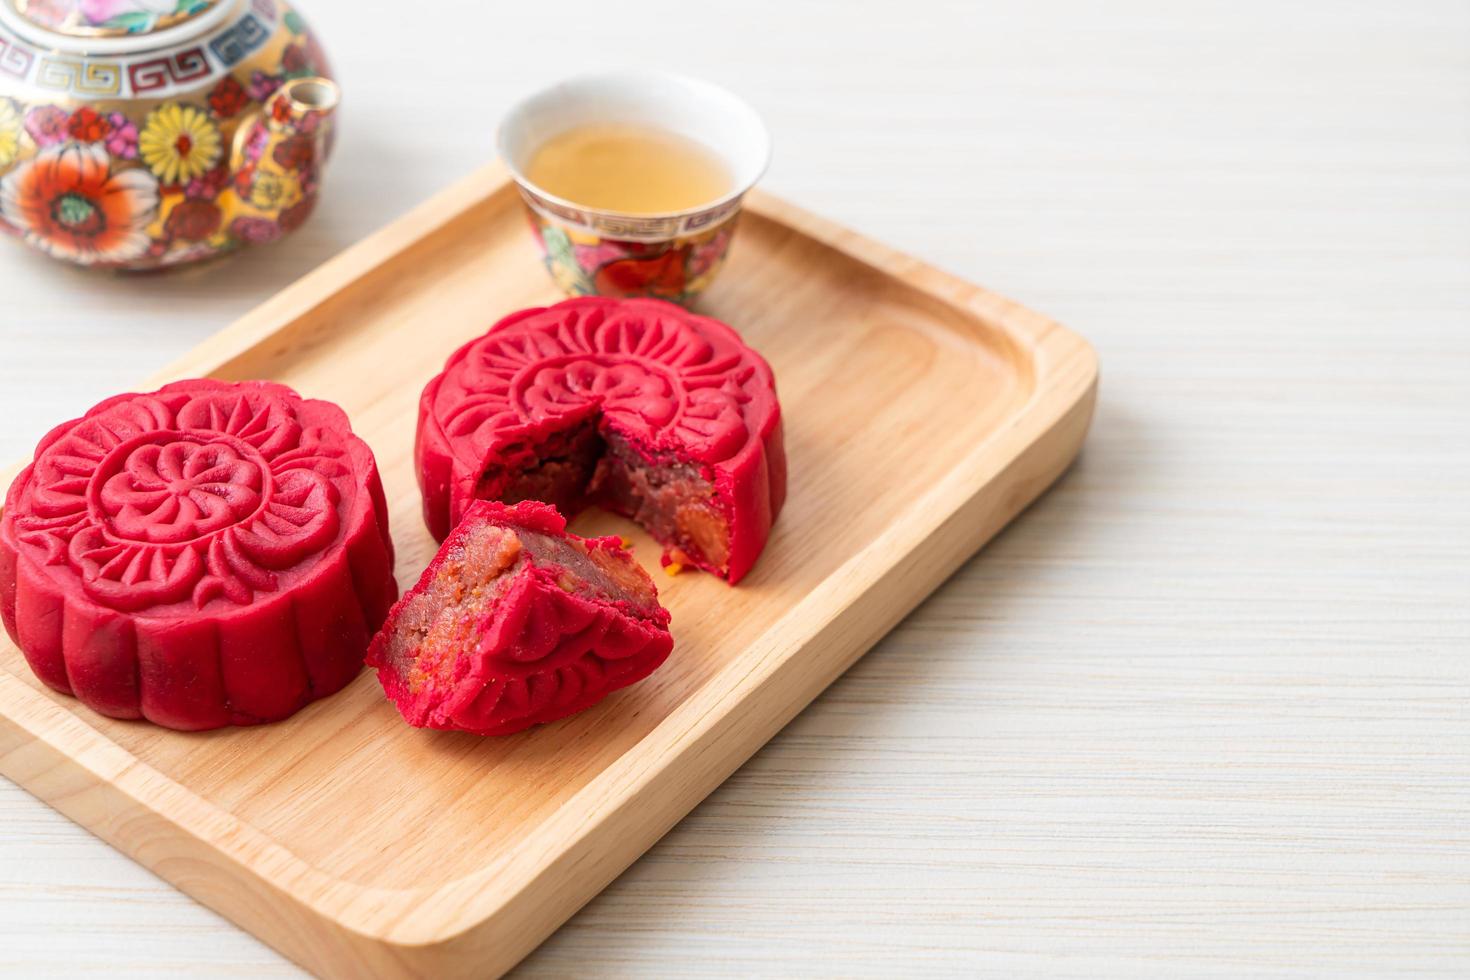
x,y
559,476
439,622
671,500
593,574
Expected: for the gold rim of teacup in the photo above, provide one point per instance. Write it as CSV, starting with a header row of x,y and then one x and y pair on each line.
x,y
631,227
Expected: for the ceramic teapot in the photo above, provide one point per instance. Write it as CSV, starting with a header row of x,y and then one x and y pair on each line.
x,y
139,134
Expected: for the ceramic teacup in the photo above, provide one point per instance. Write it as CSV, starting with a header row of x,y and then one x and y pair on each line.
x,y
673,255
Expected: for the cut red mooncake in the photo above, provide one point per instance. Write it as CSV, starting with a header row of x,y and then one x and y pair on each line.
x,y
209,554
516,622
635,405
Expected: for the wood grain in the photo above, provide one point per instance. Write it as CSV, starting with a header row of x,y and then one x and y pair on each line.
x,y
355,844
1200,711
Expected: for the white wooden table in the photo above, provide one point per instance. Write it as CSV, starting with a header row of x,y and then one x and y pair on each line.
x,y
1205,709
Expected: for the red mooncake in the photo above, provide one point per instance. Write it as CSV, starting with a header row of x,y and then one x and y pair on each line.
x,y
209,554
635,405
516,622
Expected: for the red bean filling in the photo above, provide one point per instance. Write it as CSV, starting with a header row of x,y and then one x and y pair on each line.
x,y
560,476
670,499
440,622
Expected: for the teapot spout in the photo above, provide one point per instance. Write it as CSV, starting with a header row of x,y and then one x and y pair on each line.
x,y
278,158
304,106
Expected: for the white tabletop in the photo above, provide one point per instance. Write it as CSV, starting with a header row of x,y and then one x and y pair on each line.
x,y
1205,708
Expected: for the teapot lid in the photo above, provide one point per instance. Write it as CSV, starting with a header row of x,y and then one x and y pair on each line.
x,y
108,18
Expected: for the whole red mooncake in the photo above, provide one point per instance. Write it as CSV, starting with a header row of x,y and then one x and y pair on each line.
x,y
209,554
636,405
516,622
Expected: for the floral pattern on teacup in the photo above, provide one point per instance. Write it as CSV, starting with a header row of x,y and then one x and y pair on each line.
x,y
586,264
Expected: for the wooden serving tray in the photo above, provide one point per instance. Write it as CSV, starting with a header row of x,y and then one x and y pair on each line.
x,y
922,413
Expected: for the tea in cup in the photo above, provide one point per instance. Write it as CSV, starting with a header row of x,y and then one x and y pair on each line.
x,y
634,180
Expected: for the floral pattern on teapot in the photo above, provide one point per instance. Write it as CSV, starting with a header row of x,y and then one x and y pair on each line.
x,y
194,150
